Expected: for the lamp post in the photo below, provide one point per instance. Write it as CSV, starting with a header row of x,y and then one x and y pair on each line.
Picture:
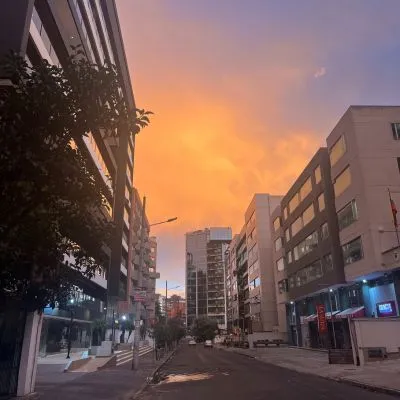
x,y
135,359
71,321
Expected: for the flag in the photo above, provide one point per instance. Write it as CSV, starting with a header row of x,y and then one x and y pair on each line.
x,y
394,212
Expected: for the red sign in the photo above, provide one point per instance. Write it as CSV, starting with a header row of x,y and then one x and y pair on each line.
x,y
322,324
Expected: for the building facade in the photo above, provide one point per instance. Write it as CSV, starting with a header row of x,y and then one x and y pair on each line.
x,y
205,274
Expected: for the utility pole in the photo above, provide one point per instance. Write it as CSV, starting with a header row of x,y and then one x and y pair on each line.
x,y
135,359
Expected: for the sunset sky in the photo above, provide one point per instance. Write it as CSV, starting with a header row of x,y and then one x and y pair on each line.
x,y
244,92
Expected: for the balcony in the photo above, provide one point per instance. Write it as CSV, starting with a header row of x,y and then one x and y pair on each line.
x,y
154,275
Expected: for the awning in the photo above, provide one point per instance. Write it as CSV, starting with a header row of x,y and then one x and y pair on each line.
x,y
310,318
329,315
355,312
314,317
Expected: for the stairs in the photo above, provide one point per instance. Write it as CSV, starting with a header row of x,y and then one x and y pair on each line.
x,y
125,356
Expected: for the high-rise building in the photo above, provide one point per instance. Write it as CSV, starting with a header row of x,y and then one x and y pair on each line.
x,y
250,271
47,29
205,274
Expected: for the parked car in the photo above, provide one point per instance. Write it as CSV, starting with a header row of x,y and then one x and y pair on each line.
x,y
192,342
208,343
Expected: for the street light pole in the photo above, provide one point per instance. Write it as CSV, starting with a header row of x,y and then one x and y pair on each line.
x,y
333,323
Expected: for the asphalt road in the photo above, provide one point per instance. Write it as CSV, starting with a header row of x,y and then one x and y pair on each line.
x,y
197,373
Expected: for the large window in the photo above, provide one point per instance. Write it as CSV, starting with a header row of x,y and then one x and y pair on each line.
x,y
283,286
277,223
287,235
285,213
347,215
280,264
396,130
289,257
294,202
305,190
324,231
317,174
308,215
278,244
337,150
254,283
297,225
307,245
321,202
342,182
255,268
352,251
327,262
306,275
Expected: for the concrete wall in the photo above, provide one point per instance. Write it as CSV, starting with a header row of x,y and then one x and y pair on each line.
x,y
377,332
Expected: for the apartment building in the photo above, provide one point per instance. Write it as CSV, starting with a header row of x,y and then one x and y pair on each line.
x,y
364,150
232,301
153,276
306,248
205,274
47,29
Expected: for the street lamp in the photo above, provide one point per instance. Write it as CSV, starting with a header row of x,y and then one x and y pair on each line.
x,y
135,359
71,321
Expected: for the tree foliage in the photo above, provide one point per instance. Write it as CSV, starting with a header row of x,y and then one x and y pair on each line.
x,y
51,192
167,334
204,329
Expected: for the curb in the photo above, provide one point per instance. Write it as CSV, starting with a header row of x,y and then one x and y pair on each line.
x,y
153,373
366,386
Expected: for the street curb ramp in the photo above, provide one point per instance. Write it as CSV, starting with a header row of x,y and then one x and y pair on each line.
x,y
152,376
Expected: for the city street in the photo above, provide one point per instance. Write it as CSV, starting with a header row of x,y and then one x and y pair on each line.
x,y
197,373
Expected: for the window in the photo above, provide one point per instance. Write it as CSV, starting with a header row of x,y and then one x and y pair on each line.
x,y
280,264
254,268
305,189
297,226
324,231
294,202
321,202
347,215
317,174
337,150
289,257
285,213
278,244
254,283
287,235
283,286
327,262
352,251
306,275
277,223
396,130
306,246
342,182
308,215
291,281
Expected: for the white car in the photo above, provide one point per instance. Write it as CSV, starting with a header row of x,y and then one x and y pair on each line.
x,y
208,343
192,343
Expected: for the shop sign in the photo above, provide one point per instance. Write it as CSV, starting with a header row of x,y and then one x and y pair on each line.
x,y
322,323
386,309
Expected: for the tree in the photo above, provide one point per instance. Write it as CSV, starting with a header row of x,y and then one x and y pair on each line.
x,y
204,329
159,316
99,328
51,194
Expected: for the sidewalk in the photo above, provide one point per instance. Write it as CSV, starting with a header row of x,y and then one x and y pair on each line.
x,y
383,376
111,383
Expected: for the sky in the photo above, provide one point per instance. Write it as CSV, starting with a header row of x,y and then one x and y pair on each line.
x,y
243,94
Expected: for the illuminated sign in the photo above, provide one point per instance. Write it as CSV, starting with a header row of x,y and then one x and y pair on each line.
x,y
322,323
386,309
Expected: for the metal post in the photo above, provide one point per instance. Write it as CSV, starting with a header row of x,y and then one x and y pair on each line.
x,y
135,359
333,323
166,302
197,296
69,333
296,325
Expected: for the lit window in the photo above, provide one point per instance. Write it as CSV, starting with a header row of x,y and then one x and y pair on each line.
x,y
347,215
321,202
285,213
337,150
306,246
324,231
308,215
278,244
277,223
283,286
289,257
342,182
287,235
396,131
305,189
294,202
352,251
297,226
280,264
317,174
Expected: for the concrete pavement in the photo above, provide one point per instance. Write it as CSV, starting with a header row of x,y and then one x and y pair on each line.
x,y
197,373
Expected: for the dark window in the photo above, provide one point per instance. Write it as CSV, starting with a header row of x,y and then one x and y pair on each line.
x,y
347,215
396,130
327,262
352,251
324,231
398,163
283,286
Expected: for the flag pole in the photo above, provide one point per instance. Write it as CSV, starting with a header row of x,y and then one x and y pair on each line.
x,y
394,214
